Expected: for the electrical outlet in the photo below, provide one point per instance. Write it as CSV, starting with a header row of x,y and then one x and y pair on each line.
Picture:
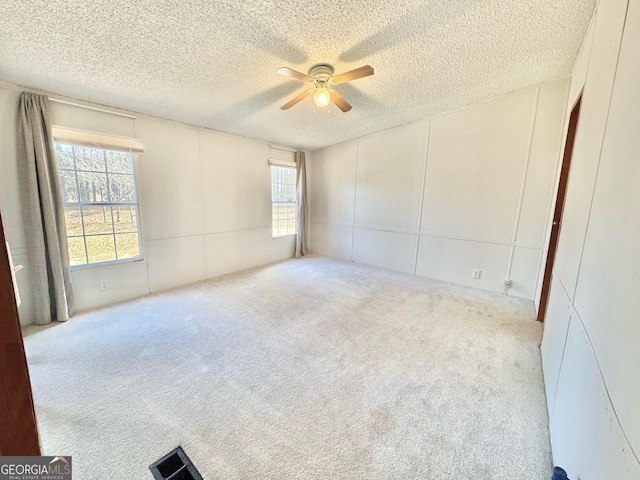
x,y
476,274
104,285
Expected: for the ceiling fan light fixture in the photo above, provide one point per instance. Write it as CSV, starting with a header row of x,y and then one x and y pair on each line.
x,y
321,97
322,78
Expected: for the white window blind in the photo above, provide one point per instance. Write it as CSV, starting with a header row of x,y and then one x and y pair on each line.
x,y
95,139
282,163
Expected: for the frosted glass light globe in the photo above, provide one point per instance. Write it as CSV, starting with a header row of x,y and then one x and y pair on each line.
x,y
321,97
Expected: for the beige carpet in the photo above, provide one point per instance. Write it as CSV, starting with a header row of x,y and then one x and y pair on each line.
x,y
306,369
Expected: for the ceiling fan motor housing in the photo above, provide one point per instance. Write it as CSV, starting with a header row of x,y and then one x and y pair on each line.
x,y
321,73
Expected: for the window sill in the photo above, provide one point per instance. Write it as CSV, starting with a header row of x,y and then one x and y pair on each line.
x,y
284,236
111,263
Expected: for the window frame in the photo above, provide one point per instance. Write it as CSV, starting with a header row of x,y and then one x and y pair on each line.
x,y
80,204
282,164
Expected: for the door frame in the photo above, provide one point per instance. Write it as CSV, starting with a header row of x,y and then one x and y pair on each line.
x,y
556,224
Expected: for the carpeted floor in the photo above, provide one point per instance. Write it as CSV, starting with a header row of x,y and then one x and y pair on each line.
x,y
306,369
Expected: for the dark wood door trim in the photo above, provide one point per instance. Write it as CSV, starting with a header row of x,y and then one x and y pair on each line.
x,y
559,208
18,429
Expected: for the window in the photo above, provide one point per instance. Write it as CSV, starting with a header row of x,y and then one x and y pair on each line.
x,y
100,203
283,200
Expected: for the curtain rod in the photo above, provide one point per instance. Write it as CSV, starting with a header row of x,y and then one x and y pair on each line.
x,y
283,148
55,100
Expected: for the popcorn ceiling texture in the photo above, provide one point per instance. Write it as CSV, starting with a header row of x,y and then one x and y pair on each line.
x,y
213,64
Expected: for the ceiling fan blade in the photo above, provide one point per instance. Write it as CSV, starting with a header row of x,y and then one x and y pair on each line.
x,y
340,101
288,72
295,100
353,74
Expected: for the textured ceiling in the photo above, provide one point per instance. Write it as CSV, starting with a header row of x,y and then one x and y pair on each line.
x,y
213,63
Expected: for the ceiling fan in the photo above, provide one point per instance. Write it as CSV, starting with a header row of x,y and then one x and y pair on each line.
x,y
322,77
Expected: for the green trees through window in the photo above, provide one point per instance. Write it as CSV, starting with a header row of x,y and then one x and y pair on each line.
x,y
100,203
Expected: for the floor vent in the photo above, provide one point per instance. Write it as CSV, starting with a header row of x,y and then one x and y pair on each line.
x,y
175,465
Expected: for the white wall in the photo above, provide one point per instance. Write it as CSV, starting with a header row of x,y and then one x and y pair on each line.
x,y
590,346
467,190
205,201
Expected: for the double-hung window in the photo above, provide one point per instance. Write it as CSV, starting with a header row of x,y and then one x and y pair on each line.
x,y
100,203
283,199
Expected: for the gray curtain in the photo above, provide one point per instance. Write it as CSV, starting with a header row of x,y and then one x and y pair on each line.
x,y
302,238
45,228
